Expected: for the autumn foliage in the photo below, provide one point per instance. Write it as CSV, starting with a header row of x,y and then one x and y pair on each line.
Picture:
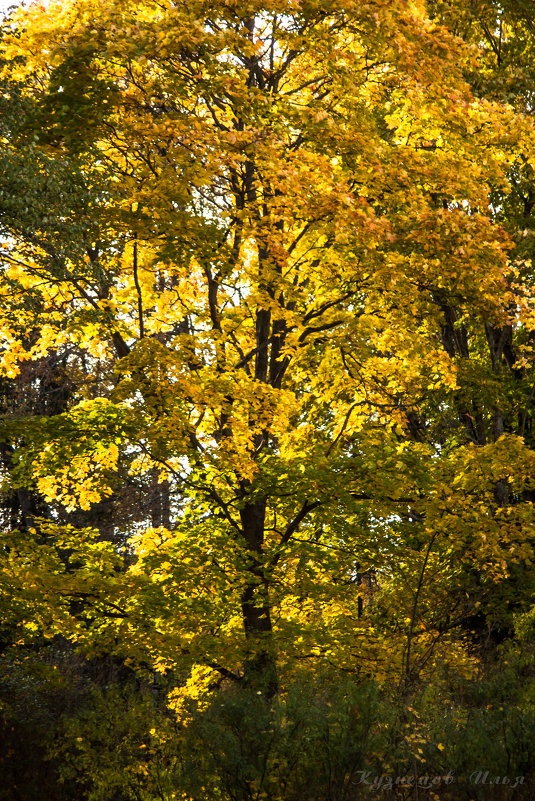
x,y
267,389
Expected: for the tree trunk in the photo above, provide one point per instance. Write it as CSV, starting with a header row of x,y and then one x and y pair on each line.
x,y
260,665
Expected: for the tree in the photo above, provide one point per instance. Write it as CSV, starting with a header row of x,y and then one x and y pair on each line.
x,y
263,243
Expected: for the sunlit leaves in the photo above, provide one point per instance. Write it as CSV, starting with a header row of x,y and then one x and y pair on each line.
x,y
266,244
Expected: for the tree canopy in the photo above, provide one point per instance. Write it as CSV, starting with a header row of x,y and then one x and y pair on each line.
x,y
267,364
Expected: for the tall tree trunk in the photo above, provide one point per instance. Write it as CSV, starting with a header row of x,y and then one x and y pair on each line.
x,y
260,668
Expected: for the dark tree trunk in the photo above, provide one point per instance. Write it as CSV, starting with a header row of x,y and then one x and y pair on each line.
x,y
260,665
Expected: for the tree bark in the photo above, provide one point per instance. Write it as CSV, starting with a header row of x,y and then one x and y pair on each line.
x,y
260,668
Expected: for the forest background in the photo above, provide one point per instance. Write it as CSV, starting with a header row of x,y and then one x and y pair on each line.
x,y
267,387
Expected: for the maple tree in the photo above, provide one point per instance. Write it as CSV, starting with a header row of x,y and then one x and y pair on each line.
x,y
268,334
